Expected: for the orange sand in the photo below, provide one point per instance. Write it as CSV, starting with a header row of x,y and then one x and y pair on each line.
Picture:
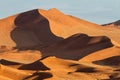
x,y
50,45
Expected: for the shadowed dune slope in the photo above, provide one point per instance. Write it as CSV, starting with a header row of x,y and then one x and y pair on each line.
x,y
73,70
50,45
77,46
115,60
36,24
43,27
67,26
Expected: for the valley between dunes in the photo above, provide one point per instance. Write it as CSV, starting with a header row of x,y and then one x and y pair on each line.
x,y
50,45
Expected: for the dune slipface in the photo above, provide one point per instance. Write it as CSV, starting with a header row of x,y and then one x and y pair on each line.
x,y
50,45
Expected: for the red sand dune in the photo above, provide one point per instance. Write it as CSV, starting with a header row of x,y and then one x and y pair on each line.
x,y
50,45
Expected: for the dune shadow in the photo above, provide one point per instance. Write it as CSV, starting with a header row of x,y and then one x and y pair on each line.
x,y
32,30
34,66
86,70
4,62
77,46
74,65
112,61
40,76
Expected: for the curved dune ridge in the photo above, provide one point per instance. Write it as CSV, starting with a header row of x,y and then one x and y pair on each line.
x,y
50,45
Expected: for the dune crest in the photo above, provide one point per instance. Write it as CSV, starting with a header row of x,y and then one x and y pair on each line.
x,y
50,45
70,26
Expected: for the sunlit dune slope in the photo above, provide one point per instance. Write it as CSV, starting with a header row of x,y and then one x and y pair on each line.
x,y
67,25
33,28
25,57
50,45
102,54
13,74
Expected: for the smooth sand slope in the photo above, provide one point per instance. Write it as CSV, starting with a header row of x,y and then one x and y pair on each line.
x,y
50,45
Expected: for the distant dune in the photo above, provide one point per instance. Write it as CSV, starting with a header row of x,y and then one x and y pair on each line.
x,y
50,45
113,24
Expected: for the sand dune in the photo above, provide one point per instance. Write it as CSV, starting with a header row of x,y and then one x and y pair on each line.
x,y
50,45
73,70
102,54
13,73
115,24
53,24
77,46
70,26
22,56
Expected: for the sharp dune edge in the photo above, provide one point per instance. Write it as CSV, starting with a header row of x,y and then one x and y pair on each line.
x,y
50,45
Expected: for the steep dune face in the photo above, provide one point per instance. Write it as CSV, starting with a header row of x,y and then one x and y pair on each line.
x,y
47,44
77,46
37,25
27,30
30,27
67,25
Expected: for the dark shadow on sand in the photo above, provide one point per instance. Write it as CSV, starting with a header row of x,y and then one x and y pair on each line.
x,y
40,76
34,66
4,62
32,27
77,46
33,32
111,61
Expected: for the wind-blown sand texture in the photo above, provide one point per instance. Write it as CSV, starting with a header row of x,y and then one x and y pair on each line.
x,y
50,45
